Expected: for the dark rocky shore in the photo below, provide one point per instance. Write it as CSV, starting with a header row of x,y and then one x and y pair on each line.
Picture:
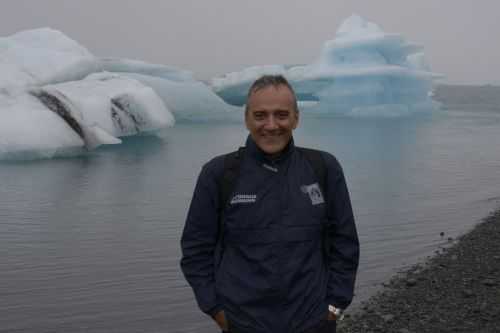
x,y
457,290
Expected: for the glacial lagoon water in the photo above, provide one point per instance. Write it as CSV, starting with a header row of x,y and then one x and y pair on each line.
x,y
91,243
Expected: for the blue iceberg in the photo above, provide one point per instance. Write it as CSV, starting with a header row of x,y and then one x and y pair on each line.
x,y
363,71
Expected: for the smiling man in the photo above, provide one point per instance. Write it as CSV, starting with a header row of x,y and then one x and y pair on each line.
x,y
270,243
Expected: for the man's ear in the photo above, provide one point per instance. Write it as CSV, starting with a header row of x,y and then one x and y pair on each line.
x,y
246,118
297,119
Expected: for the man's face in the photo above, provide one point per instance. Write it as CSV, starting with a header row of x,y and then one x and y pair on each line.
x,y
271,117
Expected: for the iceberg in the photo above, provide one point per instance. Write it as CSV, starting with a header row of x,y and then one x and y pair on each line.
x,y
233,87
29,130
186,97
362,71
58,98
38,57
76,116
189,100
42,56
120,106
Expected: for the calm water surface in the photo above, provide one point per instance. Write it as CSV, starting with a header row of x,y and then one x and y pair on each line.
x,y
91,243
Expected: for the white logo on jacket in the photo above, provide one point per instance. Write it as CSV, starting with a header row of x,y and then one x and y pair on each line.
x,y
269,167
243,198
314,193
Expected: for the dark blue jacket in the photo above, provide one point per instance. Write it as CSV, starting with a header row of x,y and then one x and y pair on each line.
x,y
272,274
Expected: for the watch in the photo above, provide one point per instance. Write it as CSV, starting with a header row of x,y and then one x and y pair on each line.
x,y
337,312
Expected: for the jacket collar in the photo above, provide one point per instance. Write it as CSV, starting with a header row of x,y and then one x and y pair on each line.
x,y
261,156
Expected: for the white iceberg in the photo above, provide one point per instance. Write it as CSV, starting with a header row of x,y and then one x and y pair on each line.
x,y
55,97
79,115
362,71
121,106
42,56
189,100
29,130
186,97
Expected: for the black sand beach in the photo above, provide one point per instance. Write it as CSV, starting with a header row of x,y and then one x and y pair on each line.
x,y
457,290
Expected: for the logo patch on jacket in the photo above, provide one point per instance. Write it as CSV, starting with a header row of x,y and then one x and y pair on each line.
x,y
243,198
269,167
314,193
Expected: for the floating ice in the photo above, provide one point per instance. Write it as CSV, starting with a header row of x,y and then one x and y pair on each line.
x,y
362,71
144,68
187,98
77,115
41,56
233,87
28,128
56,99
121,106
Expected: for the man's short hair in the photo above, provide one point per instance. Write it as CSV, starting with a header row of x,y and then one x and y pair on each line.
x,y
267,81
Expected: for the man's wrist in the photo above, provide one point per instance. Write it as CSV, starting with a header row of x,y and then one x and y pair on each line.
x,y
338,313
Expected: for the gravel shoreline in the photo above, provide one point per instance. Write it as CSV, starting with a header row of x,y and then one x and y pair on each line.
x,y
457,290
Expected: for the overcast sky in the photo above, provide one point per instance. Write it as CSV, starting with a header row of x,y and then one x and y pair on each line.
x,y
461,37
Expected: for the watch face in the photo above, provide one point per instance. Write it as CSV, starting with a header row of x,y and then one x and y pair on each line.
x,y
339,313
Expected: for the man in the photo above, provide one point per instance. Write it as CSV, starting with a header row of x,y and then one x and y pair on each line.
x,y
281,254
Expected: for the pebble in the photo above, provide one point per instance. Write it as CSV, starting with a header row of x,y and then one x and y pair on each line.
x,y
411,282
467,293
389,318
489,282
483,306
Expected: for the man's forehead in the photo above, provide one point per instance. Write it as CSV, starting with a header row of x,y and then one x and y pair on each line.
x,y
276,95
270,89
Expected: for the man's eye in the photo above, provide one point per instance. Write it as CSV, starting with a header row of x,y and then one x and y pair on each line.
x,y
282,115
259,116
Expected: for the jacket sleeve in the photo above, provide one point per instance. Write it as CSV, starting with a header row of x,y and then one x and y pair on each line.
x,y
342,238
199,240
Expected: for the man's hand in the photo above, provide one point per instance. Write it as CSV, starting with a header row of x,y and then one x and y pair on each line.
x,y
331,316
220,319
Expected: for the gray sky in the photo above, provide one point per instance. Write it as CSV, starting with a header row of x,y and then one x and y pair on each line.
x,y
461,37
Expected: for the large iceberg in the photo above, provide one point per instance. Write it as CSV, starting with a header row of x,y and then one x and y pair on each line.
x,y
56,97
75,116
362,71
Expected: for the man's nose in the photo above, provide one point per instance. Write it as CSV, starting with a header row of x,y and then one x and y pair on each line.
x,y
271,123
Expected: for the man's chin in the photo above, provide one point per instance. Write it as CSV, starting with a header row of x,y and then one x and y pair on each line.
x,y
272,149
